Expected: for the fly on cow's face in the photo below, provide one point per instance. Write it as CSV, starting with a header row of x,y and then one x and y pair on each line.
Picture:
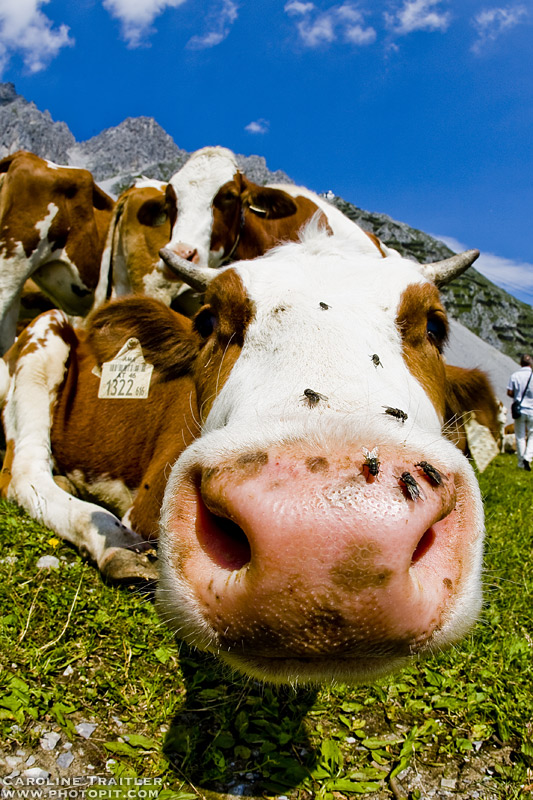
x,y
432,473
376,360
371,463
395,412
410,486
313,398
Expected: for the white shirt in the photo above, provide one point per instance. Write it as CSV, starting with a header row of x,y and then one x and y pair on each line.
x,y
517,384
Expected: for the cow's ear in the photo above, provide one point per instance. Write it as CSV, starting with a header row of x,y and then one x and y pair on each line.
x,y
268,202
166,338
101,200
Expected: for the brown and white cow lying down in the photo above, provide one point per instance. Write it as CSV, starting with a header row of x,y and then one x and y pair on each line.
x,y
53,223
317,524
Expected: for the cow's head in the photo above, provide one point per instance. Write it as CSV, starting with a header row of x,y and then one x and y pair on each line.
x,y
216,206
322,526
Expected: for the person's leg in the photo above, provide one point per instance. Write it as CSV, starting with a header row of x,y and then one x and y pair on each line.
x,y
520,436
528,453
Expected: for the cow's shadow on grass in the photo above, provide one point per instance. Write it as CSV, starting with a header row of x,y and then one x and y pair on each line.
x,y
238,736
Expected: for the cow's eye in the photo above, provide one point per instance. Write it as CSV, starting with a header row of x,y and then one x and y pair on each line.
x,y
437,329
224,199
205,322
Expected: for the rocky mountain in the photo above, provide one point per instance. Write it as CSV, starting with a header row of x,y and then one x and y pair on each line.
x,y
140,146
24,127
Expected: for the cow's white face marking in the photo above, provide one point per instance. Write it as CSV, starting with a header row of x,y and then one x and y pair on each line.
x,y
43,225
196,185
292,344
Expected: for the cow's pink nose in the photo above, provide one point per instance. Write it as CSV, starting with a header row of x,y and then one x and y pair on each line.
x,y
185,251
300,555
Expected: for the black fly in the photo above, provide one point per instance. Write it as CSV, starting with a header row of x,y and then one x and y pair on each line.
x,y
410,486
376,360
313,398
371,463
323,305
396,412
432,473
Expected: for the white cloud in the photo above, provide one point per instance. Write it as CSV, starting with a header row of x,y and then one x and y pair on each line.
x,y
492,22
258,126
136,16
339,23
516,277
25,30
219,23
418,15
297,7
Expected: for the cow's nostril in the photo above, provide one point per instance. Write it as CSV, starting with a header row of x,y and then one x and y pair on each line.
x,y
423,545
222,539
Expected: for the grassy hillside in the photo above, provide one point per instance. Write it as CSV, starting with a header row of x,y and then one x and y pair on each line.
x,y
76,651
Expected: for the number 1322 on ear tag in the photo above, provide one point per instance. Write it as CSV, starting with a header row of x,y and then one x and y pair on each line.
x,y
127,376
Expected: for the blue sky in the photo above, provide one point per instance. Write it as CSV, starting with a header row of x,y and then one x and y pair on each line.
x,y
421,109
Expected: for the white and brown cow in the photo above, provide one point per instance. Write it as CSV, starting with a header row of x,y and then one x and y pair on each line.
x,y
210,203
140,226
53,222
317,523
222,216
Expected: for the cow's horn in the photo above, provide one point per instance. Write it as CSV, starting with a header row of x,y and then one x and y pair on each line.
x,y
196,277
442,272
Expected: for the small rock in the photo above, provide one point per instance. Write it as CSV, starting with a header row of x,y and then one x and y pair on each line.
x,y
448,783
350,739
68,671
21,753
118,722
12,761
48,562
85,729
14,774
49,740
36,772
64,760
67,746
30,761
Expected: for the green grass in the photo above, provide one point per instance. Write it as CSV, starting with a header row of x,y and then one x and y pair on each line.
x,y
166,712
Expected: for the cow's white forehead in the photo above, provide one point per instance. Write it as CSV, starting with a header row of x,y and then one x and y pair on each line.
x,y
321,311
204,173
321,267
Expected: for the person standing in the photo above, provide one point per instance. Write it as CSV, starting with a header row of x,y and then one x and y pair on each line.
x,y
521,388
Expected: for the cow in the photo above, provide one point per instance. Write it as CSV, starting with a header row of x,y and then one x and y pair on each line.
x,y
475,393
211,203
316,524
140,226
53,222
222,216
